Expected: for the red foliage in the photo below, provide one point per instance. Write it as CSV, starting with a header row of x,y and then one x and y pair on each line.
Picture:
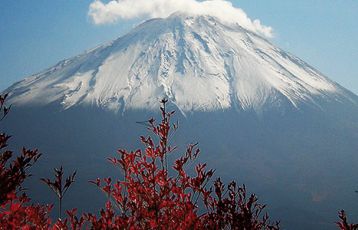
x,y
148,197
151,195
15,210
236,211
17,213
343,223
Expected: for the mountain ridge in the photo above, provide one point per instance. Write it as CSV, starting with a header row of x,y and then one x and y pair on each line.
x,y
198,62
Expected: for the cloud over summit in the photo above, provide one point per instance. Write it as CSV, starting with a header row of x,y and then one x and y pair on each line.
x,y
116,10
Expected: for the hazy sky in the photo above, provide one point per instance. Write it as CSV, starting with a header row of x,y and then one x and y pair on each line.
x,y
37,34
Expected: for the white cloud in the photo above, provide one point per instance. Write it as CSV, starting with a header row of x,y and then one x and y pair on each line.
x,y
116,10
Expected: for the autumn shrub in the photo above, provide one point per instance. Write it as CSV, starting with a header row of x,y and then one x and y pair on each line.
x,y
151,193
16,211
343,223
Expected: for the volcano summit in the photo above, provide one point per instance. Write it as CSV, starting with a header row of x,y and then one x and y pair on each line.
x,y
197,62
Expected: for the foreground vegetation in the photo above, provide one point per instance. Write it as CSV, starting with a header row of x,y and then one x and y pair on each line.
x,y
151,192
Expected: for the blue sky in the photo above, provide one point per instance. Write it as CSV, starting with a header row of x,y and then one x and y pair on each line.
x,y
37,34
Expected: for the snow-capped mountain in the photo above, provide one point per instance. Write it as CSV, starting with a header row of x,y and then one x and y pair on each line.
x,y
262,116
198,62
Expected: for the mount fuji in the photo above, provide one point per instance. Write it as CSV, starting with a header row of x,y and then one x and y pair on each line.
x,y
261,115
198,63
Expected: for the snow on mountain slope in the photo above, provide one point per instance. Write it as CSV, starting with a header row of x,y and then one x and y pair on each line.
x,y
198,62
